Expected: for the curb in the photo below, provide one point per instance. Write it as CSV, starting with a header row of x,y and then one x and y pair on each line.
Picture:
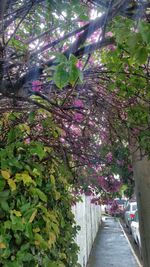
x,y
137,260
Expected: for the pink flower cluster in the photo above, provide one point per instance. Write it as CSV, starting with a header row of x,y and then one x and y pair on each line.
x,y
78,117
36,86
75,131
109,184
78,103
79,64
96,201
111,47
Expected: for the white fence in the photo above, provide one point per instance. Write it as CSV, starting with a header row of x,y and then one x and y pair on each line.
x,y
88,217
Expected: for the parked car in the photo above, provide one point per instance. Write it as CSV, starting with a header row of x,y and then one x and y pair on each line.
x,y
135,231
129,213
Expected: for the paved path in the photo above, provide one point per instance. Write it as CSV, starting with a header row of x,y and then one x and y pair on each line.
x,y
111,248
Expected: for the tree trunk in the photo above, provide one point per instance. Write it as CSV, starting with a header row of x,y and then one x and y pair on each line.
x,y
141,169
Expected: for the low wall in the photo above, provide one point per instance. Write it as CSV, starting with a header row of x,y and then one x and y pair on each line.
x,y
88,217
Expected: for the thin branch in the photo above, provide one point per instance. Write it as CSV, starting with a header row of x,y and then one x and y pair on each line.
x,y
22,19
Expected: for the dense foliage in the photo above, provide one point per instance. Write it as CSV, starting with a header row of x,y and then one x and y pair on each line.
x,y
36,223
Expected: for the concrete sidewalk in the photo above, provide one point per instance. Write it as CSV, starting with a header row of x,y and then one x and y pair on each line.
x,y
111,249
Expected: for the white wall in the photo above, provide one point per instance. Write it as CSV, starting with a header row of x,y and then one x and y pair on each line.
x,y
88,216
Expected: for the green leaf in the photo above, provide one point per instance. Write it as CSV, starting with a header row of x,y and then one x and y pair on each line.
x,y
33,216
73,59
38,150
17,223
4,195
60,58
12,184
25,207
141,55
40,194
28,230
2,184
39,241
4,205
145,31
32,116
74,74
133,41
61,76
6,174
7,225
25,177
48,263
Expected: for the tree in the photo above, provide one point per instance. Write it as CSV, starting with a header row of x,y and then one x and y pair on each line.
x,y
40,59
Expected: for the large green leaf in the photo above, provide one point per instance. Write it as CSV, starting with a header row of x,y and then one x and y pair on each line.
x,y
141,55
61,76
38,150
145,31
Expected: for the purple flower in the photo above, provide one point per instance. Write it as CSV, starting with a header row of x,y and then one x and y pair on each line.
x,y
17,37
79,65
78,103
36,86
78,117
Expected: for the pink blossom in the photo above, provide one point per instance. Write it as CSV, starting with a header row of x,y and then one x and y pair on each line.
x,y
111,47
75,130
109,184
109,34
82,23
78,103
78,117
36,86
65,46
94,37
79,64
27,141
17,37
79,33
109,157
